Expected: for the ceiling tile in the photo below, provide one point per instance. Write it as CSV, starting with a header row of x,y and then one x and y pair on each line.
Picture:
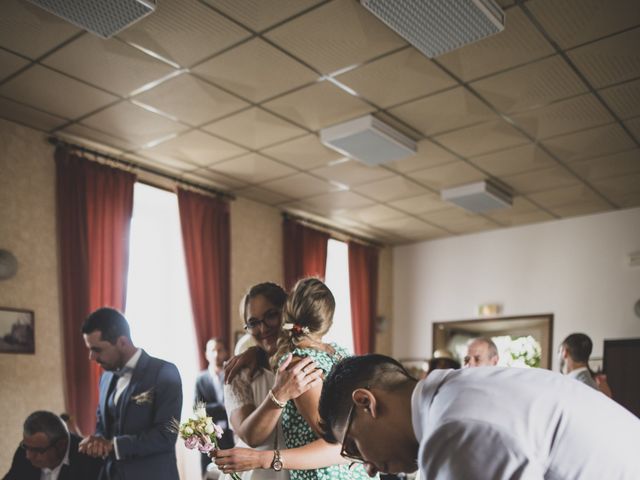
x,y
254,128
429,155
459,221
258,15
484,138
631,200
55,93
214,178
522,212
397,78
557,197
411,228
29,30
191,100
252,168
31,117
263,196
540,180
514,160
519,43
336,202
373,214
530,86
158,162
336,35
611,60
448,175
392,188
565,116
197,148
623,99
579,209
573,22
622,163
420,204
594,142
184,32
133,124
444,111
634,126
319,105
109,64
85,133
351,172
10,63
300,185
255,70
619,186
303,153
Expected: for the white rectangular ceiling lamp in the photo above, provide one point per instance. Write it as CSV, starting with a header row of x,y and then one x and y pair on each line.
x,y
436,27
478,197
369,140
104,18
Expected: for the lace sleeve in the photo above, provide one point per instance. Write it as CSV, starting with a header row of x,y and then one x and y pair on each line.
x,y
239,392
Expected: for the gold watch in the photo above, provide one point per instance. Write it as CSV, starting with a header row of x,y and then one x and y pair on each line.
x,y
277,461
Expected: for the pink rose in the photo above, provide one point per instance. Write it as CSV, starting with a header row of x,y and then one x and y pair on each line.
x,y
192,442
206,447
218,430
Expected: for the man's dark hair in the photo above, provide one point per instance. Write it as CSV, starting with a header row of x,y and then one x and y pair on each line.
x,y
366,371
45,422
579,347
109,322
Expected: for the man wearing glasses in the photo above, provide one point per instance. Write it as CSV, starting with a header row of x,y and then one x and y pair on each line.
x,y
49,452
476,423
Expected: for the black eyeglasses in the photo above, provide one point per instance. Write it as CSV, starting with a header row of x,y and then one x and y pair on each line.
x,y
270,319
38,450
349,449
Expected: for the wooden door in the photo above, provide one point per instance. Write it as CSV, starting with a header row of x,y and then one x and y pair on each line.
x,y
621,363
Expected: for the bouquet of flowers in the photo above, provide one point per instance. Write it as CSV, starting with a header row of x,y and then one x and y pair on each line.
x,y
200,432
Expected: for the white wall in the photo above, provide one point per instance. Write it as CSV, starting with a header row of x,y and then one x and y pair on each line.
x,y
577,269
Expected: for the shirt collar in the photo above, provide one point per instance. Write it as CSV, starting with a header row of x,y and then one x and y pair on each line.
x,y
133,361
65,460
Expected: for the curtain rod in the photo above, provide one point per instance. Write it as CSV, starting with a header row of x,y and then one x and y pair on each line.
x,y
59,142
333,231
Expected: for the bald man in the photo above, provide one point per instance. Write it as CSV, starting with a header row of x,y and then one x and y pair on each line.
x,y
481,352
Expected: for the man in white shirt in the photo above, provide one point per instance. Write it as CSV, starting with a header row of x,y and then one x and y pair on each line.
x,y
49,452
481,352
476,423
574,352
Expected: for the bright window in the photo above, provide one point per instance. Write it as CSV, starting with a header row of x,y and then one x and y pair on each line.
x,y
337,279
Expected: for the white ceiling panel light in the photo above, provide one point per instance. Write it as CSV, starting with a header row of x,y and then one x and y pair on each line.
x,y
369,140
436,27
479,197
104,19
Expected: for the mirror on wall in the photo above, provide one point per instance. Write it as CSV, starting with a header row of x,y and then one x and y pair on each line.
x,y
525,341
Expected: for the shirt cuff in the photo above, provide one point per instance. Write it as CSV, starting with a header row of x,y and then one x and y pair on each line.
x,y
115,448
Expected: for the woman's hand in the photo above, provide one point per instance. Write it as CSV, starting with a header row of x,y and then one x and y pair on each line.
x,y
253,358
295,377
242,459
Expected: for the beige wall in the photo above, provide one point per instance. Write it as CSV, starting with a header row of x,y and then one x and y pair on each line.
x,y
27,228
384,337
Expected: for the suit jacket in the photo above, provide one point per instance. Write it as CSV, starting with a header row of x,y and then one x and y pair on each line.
x,y
81,467
206,392
146,409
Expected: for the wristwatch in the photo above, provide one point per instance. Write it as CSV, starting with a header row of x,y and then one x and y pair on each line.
x,y
277,461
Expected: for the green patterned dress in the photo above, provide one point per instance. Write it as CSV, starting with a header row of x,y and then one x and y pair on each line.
x,y
297,431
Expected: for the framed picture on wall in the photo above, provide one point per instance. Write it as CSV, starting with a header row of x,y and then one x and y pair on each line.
x,y
17,331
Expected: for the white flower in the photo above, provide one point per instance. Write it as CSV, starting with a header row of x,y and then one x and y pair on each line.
x,y
209,429
188,431
200,412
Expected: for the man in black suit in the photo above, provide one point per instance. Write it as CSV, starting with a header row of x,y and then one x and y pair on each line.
x,y
210,391
48,451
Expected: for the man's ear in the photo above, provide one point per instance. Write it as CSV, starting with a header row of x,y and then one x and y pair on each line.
x,y
364,399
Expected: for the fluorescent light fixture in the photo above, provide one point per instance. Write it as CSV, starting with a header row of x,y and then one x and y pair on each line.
x,y
369,140
436,27
478,197
101,17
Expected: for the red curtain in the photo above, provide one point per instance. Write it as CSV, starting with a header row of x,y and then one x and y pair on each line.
x,y
305,252
363,289
207,245
94,206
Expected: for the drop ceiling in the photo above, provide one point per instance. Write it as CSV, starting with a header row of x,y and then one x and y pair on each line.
x,y
232,93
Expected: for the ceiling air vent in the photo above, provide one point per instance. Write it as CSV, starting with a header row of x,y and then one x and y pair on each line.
x,y
479,197
104,18
438,26
369,140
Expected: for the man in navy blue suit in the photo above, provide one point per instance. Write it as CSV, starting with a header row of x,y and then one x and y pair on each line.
x,y
139,397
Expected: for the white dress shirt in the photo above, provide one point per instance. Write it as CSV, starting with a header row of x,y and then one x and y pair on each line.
x,y
515,423
121,386
53,474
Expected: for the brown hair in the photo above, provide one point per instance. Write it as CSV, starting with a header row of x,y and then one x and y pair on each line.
x,y
308,311
273,292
